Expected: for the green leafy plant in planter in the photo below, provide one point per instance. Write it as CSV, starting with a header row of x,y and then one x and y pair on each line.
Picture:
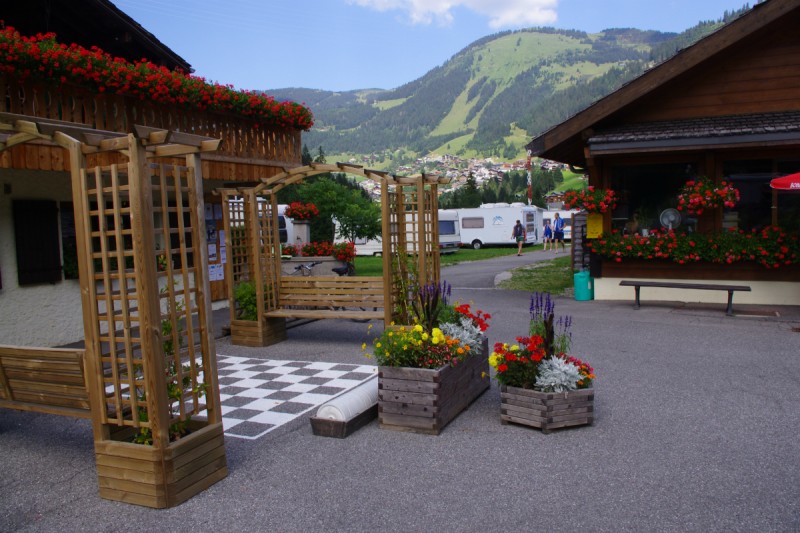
x,y
246,301
177,384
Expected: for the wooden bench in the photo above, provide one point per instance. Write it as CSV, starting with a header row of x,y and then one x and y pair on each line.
x,y
637,285
351,297
44,380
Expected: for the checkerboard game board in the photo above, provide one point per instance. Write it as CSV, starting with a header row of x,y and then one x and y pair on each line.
x,y
259,395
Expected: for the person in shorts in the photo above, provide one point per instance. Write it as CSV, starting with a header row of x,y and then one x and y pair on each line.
x,y
548,234
518,234
558,232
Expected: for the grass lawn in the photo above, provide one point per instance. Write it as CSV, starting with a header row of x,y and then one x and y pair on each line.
x,y
553,276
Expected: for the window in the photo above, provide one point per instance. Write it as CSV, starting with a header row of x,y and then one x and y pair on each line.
x,y
36,241
754,210
472,222
447,227
645,191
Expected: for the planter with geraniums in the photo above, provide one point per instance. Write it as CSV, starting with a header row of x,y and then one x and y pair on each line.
x,y
541,386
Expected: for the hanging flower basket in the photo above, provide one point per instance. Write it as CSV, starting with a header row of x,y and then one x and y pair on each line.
x,y
591,200
701,194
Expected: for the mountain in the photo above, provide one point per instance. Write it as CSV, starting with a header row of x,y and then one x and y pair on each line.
x,y
491,97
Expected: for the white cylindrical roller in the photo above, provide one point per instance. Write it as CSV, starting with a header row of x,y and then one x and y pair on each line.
x,y
352,403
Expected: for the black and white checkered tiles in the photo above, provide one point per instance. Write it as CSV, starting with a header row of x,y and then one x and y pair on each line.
x,y
259,395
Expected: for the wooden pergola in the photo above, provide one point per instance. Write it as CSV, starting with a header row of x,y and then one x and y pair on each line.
x,y
149,363
410,239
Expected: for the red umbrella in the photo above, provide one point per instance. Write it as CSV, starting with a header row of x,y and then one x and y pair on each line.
x,y
787,183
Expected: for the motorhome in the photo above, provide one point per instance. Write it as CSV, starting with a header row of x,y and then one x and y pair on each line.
x,y
491,224
566,215
449,238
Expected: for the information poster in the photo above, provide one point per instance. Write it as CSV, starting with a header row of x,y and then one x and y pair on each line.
x,y
594,226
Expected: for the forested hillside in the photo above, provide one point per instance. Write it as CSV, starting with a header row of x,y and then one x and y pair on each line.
x,y
493,96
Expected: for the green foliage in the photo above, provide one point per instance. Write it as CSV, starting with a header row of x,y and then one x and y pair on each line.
x,y
360,220
244,295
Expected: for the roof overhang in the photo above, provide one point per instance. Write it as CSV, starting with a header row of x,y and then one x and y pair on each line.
x,y
732,131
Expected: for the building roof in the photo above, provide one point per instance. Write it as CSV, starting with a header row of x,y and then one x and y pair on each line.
x,y
698,133
565,142
91,23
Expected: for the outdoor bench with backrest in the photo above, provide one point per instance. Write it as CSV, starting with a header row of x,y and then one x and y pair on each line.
x,y
44,380
638,284
351,297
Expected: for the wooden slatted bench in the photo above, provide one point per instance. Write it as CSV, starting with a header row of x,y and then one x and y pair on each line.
x,y
638,284
351,297
44,380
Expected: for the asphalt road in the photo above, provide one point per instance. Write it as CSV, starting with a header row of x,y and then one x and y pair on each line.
x,y
695,430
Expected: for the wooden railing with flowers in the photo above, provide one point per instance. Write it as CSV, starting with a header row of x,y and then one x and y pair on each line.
x,y
248,151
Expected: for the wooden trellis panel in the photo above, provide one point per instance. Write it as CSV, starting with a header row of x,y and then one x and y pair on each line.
x,y
150,359
254,258
411,251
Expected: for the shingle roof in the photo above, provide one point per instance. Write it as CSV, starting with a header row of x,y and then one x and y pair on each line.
x,y
699,128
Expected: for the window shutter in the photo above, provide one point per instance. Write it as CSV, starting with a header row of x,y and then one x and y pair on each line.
x,y
36,239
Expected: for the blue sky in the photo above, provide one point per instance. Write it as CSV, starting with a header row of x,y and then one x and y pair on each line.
x,y
356,44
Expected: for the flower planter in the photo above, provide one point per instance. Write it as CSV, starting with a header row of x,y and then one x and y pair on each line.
x,y
426,400
255,333
143,475
546,410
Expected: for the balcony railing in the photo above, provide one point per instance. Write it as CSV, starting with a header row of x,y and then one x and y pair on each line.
x,y
244,142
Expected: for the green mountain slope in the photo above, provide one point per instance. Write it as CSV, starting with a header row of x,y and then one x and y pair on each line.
x,y
491,97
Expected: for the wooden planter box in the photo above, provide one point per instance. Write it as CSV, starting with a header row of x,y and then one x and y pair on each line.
x,y
546,410
143,475
426,400
254,333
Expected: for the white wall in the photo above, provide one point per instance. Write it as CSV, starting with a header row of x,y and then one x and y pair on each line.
x,y
43,314
763,292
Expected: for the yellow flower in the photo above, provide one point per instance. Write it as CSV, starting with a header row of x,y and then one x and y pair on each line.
x,y
417,328
515,348
493,360
377,345
437,332
425,336
364,346
435,340
391,334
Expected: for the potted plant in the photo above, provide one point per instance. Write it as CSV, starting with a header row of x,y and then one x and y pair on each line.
x,y
433,369
591,200
298,211
701,194
540,384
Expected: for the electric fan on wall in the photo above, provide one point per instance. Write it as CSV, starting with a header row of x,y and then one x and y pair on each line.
x,y
670,218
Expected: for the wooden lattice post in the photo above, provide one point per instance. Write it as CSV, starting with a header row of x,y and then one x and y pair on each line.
x,y
252,233
150,357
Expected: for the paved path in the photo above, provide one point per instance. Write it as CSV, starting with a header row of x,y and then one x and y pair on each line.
x,y
695,430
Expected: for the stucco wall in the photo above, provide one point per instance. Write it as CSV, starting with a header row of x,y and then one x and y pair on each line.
x,y
35,315
763,292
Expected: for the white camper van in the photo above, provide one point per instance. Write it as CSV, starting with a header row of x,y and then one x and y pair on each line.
x,y
449,238
566,215
491,224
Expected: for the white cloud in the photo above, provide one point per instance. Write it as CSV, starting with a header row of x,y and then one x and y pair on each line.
x,y
501,13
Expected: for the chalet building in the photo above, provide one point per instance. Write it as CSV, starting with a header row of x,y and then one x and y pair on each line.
x,y
40,301
726,108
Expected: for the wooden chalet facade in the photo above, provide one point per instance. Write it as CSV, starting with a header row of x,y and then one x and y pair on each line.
x,y
38,268
726,108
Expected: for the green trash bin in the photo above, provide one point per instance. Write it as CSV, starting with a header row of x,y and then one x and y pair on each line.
x,y
584,286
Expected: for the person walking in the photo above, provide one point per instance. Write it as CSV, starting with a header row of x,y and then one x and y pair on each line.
x,y
518,233
548,235
558,232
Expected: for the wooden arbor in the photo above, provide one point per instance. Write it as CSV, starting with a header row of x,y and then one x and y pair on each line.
x,y
410,238
150,361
